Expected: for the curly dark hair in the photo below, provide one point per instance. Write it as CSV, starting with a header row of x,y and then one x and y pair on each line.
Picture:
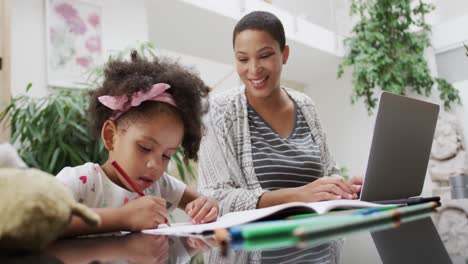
x,y
264,21
127,77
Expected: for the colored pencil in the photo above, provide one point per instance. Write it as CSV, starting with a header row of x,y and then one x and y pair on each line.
x,y
344,222
289,240
127,178
312,241
286,227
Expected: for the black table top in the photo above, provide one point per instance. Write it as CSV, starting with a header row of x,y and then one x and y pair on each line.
x,y
413,242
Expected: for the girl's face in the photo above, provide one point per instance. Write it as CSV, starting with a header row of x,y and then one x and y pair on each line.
x,y
143,148
259,61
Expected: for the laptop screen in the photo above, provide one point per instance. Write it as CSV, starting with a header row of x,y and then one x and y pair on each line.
x,y
400,149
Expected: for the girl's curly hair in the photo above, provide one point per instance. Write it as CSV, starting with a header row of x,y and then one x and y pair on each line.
x,y
127,77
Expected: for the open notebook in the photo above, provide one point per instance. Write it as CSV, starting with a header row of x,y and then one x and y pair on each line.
x,y
270,213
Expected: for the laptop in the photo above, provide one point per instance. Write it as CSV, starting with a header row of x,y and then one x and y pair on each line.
x,y
400,150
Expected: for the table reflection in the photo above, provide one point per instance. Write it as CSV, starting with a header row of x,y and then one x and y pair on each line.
x,y
415,241
324,253
129,248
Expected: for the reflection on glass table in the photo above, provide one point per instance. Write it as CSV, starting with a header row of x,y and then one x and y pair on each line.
x,y
129,248
415,241
412,240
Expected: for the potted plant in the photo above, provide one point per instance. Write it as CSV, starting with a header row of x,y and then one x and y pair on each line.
x,y
52,132
385,51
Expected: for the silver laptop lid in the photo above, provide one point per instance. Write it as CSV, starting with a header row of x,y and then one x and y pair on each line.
x,y
400,150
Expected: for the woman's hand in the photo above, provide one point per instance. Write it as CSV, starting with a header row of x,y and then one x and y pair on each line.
x,y
356,182
327,188
202,210
144,213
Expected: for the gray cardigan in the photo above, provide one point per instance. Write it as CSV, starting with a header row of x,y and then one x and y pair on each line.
x,y
226,170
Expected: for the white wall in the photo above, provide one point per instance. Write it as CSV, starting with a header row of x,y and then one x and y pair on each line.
x,y
450,34
332,14
447,10
28,46
123,23
221,75
349,127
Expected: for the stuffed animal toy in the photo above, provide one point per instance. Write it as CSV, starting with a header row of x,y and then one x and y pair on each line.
x,y
35,209
9,157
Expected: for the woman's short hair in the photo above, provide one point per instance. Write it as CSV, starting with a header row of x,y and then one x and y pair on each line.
x,y
261,20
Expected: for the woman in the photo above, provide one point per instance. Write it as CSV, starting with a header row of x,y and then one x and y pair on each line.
x,y
264,143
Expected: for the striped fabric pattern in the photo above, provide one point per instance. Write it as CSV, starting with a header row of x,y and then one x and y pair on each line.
x,y
327,253
320,254
225,166
281,162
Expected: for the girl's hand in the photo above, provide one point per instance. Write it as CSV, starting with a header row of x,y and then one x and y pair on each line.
x,y
327,188
146,212
144,248
202,210
195,245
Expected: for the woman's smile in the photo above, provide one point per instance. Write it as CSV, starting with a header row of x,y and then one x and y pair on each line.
x,y
259,83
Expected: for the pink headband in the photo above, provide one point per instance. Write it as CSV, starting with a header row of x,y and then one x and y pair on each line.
x,y
155,93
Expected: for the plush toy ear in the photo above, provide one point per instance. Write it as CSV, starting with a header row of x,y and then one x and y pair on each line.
x,y
108,133
86,214
9,157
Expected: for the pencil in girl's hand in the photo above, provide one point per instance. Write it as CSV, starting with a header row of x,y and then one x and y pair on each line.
x,y
129,180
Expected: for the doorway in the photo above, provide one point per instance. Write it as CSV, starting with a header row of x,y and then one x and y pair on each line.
x,y
5,70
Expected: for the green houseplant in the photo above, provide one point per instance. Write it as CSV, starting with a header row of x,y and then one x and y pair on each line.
x,y
53,132
386,52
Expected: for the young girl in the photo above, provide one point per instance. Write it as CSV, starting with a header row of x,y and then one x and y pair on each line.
x,y
143,112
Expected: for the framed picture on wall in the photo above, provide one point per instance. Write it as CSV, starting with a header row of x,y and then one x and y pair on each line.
x,y
73,41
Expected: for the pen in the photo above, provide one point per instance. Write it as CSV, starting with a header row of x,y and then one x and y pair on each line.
x,y
411,201
130,181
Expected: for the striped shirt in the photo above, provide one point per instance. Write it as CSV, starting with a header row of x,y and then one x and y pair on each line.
x,y
281,162
320,254
225,166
